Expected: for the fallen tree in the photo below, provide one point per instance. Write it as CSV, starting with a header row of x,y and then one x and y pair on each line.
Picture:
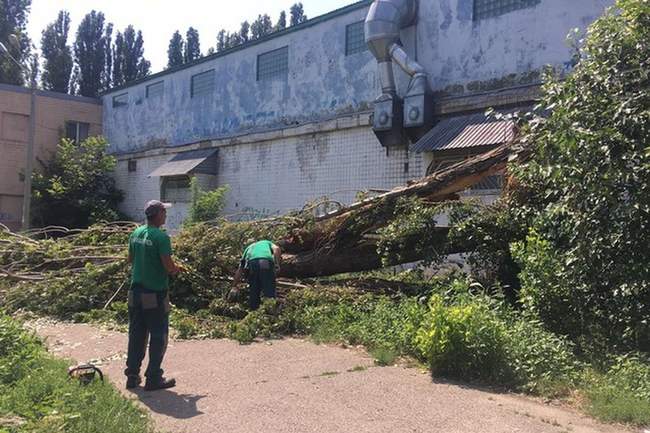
x,y
343,241
82,269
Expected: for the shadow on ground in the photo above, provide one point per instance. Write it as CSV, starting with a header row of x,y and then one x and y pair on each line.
x,y
167,402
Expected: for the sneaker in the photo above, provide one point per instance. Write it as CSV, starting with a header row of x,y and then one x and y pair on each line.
x,y
160,383
133,381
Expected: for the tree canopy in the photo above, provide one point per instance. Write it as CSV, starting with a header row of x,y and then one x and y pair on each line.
x,y
57,54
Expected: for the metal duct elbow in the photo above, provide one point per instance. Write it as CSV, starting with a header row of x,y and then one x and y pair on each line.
x,y
383,23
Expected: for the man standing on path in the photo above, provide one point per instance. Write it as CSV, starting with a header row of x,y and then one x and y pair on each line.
x,y
150,253
260,261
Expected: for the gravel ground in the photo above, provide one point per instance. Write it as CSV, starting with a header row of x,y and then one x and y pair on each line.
x,y
294,385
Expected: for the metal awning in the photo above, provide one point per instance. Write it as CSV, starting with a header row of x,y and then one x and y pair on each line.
x,y
184,163
466,131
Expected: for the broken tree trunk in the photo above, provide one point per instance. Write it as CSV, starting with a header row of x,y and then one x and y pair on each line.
x,y
339,243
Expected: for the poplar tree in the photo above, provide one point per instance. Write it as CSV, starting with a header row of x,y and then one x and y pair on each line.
x,y
175,50
92,54
57,54
297,14
13,21
192,45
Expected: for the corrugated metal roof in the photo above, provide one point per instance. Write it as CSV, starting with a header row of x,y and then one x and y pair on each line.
x,y
183,163
470,130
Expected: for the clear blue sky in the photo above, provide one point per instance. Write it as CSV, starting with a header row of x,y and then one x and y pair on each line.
x,y
158,19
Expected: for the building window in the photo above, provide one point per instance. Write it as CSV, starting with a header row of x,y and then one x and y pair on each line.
x,y
133,165
76,131
273,65
203,83
355,39
176,189
121,100
156,89
484,9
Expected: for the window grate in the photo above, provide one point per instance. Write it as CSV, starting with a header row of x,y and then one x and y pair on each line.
x,y
355,38
121,100
203,83
484,9
273,65
156,89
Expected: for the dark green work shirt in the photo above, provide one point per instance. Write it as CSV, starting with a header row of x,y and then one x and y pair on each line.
x,y
146,245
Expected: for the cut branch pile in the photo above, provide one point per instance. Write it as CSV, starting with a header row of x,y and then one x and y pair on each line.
x,y
77,270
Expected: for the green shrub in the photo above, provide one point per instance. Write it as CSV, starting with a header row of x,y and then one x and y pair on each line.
x,y
465,341
205,205
588,184
541,362
76,188
623,393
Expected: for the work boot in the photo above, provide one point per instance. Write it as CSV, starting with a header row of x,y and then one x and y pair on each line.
x,y
159,383
133,381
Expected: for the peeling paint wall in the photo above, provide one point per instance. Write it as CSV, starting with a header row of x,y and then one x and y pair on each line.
x,y
277,175
462,56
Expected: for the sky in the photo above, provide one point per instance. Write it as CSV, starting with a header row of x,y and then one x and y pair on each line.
x,y
159,19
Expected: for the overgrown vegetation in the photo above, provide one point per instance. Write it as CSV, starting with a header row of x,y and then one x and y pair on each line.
x,y
75,189
205,205
36,394
559,295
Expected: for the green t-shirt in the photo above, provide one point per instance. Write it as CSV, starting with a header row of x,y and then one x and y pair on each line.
x,y
258,250
146,245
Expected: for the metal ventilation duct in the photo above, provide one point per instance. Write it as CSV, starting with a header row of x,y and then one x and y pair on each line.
x,y
394,118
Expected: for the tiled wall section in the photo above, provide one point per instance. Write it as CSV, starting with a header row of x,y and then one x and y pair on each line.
x,y
276,176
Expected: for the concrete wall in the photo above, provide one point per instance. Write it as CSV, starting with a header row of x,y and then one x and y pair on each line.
x,y
52,111
272,173
462,56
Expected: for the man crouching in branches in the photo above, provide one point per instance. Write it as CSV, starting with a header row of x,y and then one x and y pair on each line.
x,y
259,263
150,253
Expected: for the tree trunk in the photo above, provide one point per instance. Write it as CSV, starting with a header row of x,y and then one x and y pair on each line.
x,y
339,241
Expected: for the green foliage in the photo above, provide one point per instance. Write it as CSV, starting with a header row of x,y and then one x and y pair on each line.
x,y
465,341
35,392
92,50
175,50
192,45
297,13
76,189
13,21
129,63
206,205
57,54
623,393
588,184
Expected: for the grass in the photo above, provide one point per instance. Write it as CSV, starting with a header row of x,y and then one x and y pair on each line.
x,y
36,394
622,392
463,335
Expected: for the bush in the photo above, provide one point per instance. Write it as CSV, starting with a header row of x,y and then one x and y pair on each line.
x,y
76,189
588,183
205,205
623,392
466,341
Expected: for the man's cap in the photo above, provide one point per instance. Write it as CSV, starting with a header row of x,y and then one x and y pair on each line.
x,y
152,207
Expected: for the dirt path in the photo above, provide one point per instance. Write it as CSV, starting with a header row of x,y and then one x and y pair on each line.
x,y
295,386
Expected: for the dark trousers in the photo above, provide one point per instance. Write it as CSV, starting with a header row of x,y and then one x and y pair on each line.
x,y
261,279
148,320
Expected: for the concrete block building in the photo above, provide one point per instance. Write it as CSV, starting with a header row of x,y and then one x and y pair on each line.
x,y
295,116
57,115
